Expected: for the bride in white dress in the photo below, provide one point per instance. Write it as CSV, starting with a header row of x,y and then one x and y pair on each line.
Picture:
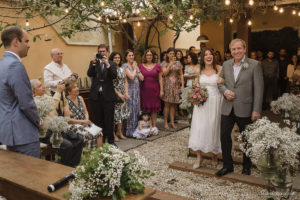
x,y
206,119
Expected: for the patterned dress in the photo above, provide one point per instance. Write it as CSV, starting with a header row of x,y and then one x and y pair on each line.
x,y
78,114
172,83
189,71
133,103
121,109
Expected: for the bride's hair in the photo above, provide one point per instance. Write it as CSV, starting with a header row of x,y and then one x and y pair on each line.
x,y
214,63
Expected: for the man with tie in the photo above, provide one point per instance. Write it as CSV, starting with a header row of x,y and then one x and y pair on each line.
x,y
243,92
102,95
19,118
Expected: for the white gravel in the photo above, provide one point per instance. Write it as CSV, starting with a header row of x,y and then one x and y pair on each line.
x,y
161,152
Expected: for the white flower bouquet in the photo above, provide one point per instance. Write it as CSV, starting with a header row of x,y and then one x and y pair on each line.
x,y
44,104
108,172
265,137
57,125
185,102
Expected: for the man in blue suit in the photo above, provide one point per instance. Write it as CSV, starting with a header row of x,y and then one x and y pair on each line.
x,y
19,118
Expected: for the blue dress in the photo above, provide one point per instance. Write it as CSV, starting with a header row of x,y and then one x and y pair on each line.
x,y
133,103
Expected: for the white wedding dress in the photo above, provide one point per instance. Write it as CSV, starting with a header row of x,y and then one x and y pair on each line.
x,y
206,119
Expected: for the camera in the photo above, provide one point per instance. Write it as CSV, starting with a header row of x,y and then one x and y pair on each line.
x,y
66,84
99,56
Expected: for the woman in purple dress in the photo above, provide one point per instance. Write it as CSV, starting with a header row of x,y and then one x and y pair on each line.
x,y
133,75
152,87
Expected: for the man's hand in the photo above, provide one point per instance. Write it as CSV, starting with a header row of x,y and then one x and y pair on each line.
x,y
229,95
255,116
105,60
60,87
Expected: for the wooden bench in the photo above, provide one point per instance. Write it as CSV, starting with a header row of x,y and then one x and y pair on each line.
x,y
26,177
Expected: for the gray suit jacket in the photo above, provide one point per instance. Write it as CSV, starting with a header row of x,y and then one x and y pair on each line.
x,y
19,118
248,88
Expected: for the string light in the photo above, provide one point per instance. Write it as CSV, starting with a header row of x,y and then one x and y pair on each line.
x,y
227,2
27,23
102,3
66,10
294,12
249,23
144,18
231,20
251,2
275,8
137,11
120,18
281,10
124,20
171,16
299,13
107,20
139,24
115,13
191,17
99,18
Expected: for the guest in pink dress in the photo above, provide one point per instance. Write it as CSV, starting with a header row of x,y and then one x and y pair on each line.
x,y
152,87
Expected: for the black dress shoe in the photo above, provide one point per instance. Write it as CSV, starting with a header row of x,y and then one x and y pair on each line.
x,y
246,171
114,144
224,171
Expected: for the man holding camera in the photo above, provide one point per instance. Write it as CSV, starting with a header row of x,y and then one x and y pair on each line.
x,y
102,71
56,71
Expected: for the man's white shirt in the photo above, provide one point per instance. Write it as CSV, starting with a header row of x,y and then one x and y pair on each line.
x,y
54,73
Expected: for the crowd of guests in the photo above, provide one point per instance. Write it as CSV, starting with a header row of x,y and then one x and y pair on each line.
x,y
126,96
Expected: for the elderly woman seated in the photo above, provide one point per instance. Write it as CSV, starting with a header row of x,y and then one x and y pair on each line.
x,y
71,148
76,110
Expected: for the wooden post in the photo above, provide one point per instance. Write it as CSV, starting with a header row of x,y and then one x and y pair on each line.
x,y
227,34
243,29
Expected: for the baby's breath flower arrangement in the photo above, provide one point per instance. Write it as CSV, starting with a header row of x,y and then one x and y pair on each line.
x,y
266,139
108,172
44,104
57,125
185,102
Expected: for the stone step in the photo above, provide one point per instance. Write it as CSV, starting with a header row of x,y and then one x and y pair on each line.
x,y
234,177
160,195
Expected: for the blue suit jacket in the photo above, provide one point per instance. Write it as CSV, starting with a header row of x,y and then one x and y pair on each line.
x,y
19,118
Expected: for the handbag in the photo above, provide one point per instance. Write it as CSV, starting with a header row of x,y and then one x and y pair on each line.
x,y
93,129
119,100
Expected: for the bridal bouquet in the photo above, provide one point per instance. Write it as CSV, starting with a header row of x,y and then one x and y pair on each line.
x,y
108,172
198,95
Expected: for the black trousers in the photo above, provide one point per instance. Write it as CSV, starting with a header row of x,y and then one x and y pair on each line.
x,y
270,84
104,117
227,123
70,149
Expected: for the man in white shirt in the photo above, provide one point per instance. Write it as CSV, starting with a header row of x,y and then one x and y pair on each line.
x,y
56,71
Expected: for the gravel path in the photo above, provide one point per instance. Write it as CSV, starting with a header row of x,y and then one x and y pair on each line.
x,y
161,152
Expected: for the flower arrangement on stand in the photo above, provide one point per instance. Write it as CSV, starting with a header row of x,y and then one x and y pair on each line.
x,y
273,150
108,172
44,104
57,125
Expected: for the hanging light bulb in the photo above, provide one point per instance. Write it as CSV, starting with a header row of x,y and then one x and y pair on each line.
x,y
294,12
120,18
66,10
139,24
99,18
144,18
299,13
191,17
171,16
115,13
227,2
231,20
251,2
137,11
249,23
107,20
124,20
27,23
281,10
102,3
275,8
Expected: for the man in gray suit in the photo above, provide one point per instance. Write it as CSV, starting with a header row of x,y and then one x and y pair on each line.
x,y
243,91
19,118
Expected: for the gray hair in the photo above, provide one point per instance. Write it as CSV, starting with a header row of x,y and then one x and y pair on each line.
x,y
33,84
237,40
